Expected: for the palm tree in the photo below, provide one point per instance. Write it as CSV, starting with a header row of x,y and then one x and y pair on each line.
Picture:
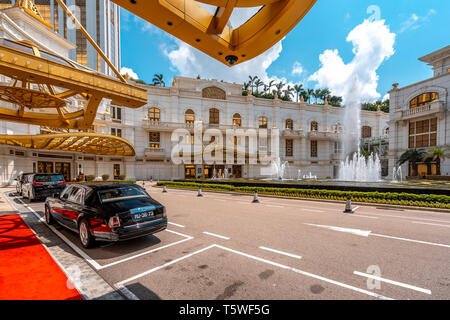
x,y
279,86
271,84
252,81
158,80
258,83
310,94
316,94
436,154
288,92
298,89
413,156
325,94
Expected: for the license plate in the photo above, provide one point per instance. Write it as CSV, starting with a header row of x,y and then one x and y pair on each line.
x,y
142,215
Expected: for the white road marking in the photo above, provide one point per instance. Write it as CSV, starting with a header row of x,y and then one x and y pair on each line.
x,y
372,294
176,224
432,224
404,285
216,235
356,208
364,233
312,210
411,218
412,240
91,261
281,252
120,285
361,216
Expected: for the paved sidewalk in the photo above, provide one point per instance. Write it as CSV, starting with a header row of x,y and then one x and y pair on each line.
x,y
88,283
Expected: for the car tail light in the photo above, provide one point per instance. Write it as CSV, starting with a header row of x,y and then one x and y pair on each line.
x,y
61,183
37,184
114,222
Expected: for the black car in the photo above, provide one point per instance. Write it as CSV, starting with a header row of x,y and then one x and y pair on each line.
x,y
42,185
106,212
20,181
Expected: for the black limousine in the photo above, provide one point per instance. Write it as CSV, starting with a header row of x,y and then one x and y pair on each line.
x,y
106,212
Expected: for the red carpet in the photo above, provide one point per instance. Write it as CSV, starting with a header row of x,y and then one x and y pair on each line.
x,y
27,271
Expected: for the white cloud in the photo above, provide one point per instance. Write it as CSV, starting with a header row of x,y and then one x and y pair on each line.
x,y
297,68
414,22
191,62
357,81
131,73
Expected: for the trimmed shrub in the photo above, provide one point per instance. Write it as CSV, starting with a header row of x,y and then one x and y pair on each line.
x,y
105,177
122,177
90,177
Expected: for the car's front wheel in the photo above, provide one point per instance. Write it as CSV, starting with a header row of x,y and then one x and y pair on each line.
x,y
86,238
48,216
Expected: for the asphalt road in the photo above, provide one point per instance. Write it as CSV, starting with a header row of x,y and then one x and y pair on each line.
x,y
223,246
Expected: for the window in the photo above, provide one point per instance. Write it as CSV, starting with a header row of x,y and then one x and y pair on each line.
x,y
289,124
213,116
116,132
314,149
154,114
116,171
262,121
189,118
154,140
237,121
366,132
314,126
289,148
423,99
386,131
423,133
116,114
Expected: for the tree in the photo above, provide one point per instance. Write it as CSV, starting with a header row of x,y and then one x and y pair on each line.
x,y
310,94
252,81
271,84
298,89
258,83
413,156
158,80
317,94
437,154
335,101
279,87
288,92
325,94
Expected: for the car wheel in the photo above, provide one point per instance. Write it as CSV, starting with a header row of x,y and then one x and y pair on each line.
x,y
48,216
86,238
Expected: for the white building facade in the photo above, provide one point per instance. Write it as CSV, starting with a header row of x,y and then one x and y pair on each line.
x,y
419,115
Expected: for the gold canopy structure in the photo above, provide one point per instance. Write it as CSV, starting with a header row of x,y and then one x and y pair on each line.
x,y
213,34
42,81
85,142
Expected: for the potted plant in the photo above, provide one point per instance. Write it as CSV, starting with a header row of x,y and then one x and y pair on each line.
x,y
90,177
105,177
122,177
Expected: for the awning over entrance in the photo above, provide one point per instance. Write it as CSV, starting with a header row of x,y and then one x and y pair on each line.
x,y
85,142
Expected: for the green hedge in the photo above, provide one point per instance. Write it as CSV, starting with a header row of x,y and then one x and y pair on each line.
x,y
406,199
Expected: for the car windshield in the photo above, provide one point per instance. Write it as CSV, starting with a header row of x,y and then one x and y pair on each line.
x,y
49,178
121,193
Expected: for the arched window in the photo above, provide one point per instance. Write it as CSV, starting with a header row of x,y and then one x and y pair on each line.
x,y
386,131
314,126
154,114
237,121
213,116
262,121
289,124
189,118
366,132
423,99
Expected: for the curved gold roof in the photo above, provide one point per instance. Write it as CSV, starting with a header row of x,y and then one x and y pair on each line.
x,y
85,142
42,80
190,22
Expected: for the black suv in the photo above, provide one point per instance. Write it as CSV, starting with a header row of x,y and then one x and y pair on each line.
x,y
42,185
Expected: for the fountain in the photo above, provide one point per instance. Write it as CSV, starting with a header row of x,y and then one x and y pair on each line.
x,y
360,169
310,176
397,175
278,169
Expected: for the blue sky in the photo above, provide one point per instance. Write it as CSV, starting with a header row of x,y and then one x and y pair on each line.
x,y
420,27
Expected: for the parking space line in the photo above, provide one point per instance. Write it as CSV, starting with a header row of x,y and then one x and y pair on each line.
x,y
404,285
120,284
432,224
372,294
176,224
281,252
90,260
216,235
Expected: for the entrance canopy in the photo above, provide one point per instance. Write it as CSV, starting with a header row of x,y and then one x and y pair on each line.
x,y
208,24
85,142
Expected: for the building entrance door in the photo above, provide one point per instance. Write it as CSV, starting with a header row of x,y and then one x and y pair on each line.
x,y
116,171
189,172
237,171
64,169
45,167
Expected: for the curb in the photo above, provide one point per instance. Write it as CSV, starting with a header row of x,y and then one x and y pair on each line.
x,y
383,205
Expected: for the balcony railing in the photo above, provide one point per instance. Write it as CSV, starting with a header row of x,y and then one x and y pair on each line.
x,y
416,110
434,107
154,153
